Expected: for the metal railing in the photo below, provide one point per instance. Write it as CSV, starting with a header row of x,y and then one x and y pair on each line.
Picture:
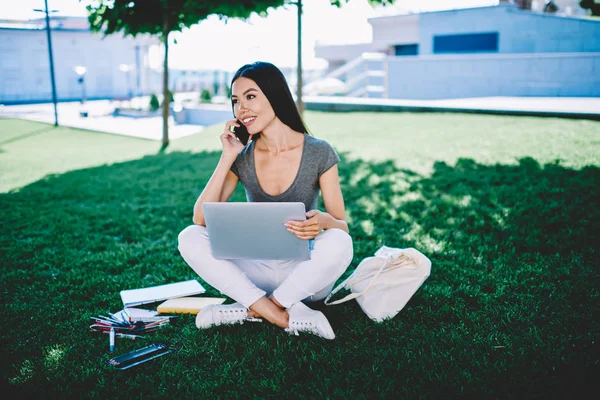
x,y
356,76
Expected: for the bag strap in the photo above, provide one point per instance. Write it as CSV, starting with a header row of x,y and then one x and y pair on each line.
x,y
351,296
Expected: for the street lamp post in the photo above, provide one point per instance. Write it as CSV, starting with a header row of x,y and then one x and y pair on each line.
x,y
299,82
137,71
49,36
81,70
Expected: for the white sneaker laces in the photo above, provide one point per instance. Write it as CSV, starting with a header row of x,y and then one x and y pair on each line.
x,y
229,316
304,319
302,326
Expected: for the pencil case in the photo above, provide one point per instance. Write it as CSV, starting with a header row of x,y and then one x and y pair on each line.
x,y
139,356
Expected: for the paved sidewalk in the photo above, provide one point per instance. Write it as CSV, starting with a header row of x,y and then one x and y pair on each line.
x,y
101,119
562,107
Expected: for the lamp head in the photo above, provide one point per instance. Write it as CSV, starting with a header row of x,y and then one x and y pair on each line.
x,y
80,70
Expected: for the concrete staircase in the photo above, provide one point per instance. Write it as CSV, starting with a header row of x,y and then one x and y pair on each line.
x,y
365,76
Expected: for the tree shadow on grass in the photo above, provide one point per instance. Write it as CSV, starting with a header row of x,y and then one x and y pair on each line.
x,y
26,135
486,210
513,248
22,136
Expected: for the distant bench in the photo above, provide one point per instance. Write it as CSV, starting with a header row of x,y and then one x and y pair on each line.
x,y
121,98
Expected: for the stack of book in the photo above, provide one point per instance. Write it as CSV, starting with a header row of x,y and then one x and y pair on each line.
x,y
176,296
133,323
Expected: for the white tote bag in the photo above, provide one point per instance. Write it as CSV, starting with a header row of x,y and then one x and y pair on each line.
x,y
382,285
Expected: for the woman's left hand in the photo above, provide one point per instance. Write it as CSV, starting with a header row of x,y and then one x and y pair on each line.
x,y
309,229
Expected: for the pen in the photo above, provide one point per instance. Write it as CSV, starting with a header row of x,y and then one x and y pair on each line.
x,y
111,339
109,319
158,322
118,317
125,335
128,336
107,328
106,321
127,315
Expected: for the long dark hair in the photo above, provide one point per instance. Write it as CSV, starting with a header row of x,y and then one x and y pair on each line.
x,y
273,84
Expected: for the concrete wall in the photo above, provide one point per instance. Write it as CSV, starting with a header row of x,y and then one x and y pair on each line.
x,y
339,54
461,76
204,114
25,71
520,31
390,31
189,80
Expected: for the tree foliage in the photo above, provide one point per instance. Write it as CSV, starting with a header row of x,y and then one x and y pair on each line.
x,y
593,6
133,17
154,104
161,17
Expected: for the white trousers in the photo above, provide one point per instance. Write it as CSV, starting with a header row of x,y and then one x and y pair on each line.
x,y
290,282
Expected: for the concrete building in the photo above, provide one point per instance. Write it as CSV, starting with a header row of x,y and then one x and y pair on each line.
x,y
216,81
192,80
500,50
115,67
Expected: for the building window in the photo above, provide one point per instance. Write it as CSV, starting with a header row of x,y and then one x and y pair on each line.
x,y
466,43
406,49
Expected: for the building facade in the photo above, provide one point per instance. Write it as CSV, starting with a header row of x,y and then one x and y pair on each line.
x,y
487,51
111,66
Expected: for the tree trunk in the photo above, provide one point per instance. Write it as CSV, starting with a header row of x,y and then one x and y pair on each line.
x,y
299,82
166,97
524,4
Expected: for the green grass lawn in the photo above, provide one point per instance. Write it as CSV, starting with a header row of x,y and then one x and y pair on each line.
x,y
505,207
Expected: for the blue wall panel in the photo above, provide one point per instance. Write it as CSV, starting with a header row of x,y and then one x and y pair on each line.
x,y
519,31
466,43
406,50
460,76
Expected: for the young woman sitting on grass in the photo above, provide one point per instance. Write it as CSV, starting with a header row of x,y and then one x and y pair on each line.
x,y
281,163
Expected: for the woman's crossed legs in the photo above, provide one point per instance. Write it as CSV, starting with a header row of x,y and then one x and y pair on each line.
x,y
270,288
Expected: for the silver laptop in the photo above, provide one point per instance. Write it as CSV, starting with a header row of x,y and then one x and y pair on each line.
x,y
255,231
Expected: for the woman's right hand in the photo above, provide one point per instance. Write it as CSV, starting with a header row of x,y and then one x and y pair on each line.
x,y
231,145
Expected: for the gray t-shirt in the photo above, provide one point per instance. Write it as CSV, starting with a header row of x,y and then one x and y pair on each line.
x,y
317,157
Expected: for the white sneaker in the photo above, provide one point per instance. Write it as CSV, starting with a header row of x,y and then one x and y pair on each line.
x,y
217,314
304,319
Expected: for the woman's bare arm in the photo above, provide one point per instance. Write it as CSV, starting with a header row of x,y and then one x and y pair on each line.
x,y
223,182
333,199
219,188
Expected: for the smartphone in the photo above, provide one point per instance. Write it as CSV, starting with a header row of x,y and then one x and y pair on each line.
x,y
139,356
242,133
